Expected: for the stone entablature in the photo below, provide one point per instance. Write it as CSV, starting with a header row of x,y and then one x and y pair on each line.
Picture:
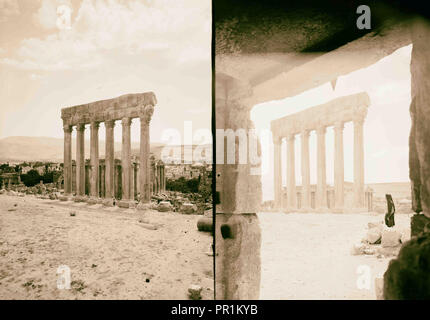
x,y
125,106
343,109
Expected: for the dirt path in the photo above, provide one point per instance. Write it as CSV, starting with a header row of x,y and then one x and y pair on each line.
x,y
307,256
110,254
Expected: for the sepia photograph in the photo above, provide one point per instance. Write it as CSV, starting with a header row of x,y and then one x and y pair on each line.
x,y
105,150
222,156
322,145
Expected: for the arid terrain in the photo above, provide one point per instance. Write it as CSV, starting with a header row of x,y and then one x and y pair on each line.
x,y
110,253
308,255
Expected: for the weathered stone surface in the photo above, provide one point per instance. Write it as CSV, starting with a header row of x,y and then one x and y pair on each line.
x,y
407,276
164,206
108,202
188,208
390,238
420,113
379,288
418,223
205,224
194,292
374,235
143,206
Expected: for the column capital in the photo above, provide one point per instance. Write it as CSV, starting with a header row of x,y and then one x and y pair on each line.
x,y
67,128
80,127
359,120
339,125
305,133
109,123
290,137
95,125
126,121
146,114
321,130
276,139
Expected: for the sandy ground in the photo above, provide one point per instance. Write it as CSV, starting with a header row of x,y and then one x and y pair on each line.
x,y
110,254
307,255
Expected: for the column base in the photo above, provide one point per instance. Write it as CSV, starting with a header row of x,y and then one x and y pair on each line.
x,y
108,202
322,210
79,199
65,197
93,200
338,210
126,204
359,210
306,210
143,206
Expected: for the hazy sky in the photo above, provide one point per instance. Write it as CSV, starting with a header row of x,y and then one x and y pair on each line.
x,y
113,47
386,128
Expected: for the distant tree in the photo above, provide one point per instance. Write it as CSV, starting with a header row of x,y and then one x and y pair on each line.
x,y
31,178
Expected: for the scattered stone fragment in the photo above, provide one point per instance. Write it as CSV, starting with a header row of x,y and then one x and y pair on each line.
x,y
188,208
204,224
390,238
194,292
374,236
164,206
72,213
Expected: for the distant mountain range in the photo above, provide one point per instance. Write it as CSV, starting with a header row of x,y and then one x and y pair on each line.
x,y
16,149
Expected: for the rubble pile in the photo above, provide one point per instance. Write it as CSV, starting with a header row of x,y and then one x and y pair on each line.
x,y
381,240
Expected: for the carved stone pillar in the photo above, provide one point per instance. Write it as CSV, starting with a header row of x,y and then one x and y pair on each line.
x,y
358,164
126,159
338,166
145,165
237,228
291,174
321,194
80,160
306,172
94,158
277,171
109,162
67,160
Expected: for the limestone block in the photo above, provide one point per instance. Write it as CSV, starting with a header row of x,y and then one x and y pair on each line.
x,y
379,288
188,208
205,224
164,206
194,292
390,238
373,235
108,202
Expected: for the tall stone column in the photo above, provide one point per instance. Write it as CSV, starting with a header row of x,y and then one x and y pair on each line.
x,y
237,227
306,171
321,194
80,160
145,165
109,162
277,171
67,166
358,164
126,160
291,174
94,159
338,166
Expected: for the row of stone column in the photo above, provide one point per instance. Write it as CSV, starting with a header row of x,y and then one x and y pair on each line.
x,y
127,173
321,190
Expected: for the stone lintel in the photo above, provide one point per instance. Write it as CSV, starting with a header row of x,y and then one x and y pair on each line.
x,y
125,106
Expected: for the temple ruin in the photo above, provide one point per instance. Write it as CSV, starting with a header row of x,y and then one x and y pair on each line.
x,y
107,178
334,113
